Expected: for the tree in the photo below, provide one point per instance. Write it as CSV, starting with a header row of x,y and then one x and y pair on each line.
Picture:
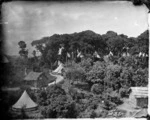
x,y
126,77
97,88
96,74
34,54
75,73
23,52
137,2
140,77
143,41
58,104
112,75
116,44
86,64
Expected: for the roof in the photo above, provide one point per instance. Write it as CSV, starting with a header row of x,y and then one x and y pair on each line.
x,y
32,76
4,59
139,91
26,101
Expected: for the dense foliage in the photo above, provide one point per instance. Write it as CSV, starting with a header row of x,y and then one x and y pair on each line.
x,y
56,103
87,42
91,86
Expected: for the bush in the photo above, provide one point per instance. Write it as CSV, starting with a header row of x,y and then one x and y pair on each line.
x,y
96,74
76,73
97,89
86,64
60,107
123,92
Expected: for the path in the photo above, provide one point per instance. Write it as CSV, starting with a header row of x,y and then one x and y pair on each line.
x,y
10,89
59,78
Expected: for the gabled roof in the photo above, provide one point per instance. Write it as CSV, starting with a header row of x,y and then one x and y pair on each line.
x,y
139,91
24,101
32,76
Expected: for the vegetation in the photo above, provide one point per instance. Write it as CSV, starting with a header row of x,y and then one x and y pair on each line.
x,y
90,85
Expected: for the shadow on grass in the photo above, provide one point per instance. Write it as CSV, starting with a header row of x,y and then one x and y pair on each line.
x,y
82,86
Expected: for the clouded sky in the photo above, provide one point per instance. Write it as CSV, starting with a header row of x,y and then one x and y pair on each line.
x,y
30,21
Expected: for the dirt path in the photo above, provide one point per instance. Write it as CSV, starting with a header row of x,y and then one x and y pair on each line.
x,y
59,78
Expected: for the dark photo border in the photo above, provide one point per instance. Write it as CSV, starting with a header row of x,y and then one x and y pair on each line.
x,y
2,38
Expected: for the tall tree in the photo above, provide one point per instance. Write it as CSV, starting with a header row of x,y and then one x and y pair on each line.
x,y
23,52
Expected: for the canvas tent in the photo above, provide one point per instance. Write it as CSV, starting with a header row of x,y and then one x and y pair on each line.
x,y
26,102
96,54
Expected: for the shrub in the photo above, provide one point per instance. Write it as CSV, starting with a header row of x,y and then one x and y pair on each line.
x,y
97,89
76,73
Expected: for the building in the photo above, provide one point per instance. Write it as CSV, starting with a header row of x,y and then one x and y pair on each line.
x,y
139,97
38,79
32,78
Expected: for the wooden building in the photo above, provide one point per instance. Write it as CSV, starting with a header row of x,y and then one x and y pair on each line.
x,y
38,79
139,97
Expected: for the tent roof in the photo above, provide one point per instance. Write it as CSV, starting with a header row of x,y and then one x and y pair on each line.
x,y
26,101
32,76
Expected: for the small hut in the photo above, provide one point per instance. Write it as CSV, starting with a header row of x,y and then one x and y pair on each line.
x,y
25,102
139,97
39,79
4,59
32,78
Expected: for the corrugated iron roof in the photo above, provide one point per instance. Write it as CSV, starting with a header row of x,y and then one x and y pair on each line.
x,y
139,91
32,76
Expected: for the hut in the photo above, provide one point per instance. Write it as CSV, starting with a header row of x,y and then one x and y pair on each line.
x,y
25,102
39,79
4,59
32,78
139,97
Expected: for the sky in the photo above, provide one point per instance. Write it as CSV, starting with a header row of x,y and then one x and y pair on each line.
x,y
28,21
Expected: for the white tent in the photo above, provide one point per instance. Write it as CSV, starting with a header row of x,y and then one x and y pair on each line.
x,y
68,55
96,54
110,54
26,102
59,68
60,50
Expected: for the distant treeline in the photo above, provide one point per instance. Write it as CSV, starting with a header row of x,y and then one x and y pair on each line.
x,y
88,41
